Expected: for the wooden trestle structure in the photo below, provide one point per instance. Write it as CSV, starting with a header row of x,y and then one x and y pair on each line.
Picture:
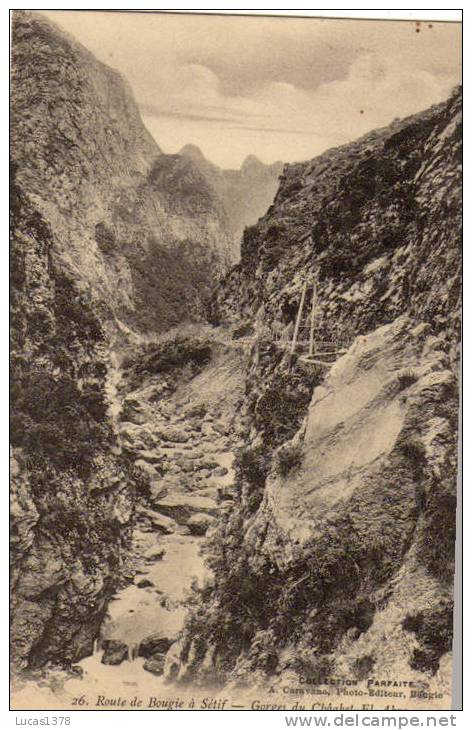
x,y
302,342
316,352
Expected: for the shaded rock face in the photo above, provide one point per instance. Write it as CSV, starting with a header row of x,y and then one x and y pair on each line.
x,y
71,495
338,556
245,193
127,218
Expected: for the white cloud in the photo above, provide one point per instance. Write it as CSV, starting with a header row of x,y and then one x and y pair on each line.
x,y
282,89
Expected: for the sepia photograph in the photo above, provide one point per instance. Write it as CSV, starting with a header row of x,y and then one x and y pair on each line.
x,y
235,362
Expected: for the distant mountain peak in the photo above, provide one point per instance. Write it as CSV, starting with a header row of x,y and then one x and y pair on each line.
x,y
192,151
245,193
252,165
251,161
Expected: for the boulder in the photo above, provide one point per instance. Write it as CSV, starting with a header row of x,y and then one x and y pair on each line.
x,y
152,457
208,464
182,530
154,553
146,468
220,471
135,436
227,493
114,652
76,671
212,447
157,490
155,643
145,583
185,464
196,411
212,491
194,454
174,435
181,506
155,664
133,412
199,523
219,428
207,429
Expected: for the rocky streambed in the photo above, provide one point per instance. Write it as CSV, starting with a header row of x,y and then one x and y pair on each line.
x,y
183,449
185,456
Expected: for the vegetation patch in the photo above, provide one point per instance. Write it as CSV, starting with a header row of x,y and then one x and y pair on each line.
x,y
414,450
433,629
406,378
167,358
282,405
252,465
437,540
289,458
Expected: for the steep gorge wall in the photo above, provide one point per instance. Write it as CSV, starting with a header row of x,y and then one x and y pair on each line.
x,y
71,492
338,559
140,228
108,236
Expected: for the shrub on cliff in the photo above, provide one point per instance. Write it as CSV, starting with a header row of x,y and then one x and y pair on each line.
x,y
167,358
433,629
105,238
252,466
289,458
282,406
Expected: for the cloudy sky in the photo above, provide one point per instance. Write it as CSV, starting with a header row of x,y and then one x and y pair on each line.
x,y
280,88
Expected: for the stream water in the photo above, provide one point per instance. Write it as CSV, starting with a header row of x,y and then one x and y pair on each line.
x,y
168,564
193,473
138,612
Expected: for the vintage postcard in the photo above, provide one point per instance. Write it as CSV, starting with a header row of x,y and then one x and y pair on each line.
x,y
235,355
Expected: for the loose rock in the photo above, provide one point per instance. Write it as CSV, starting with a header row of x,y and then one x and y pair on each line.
x,y
155,664
145,583
114,652
153,644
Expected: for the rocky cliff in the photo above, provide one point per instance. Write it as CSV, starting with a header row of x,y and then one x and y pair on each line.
x,y
107,234
245,193
71,491
127,218
338,558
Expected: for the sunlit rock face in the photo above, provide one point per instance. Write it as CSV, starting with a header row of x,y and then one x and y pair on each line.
x,y
342,541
